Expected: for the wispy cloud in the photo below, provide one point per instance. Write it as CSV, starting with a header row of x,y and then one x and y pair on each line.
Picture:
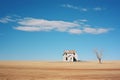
x,y
6,19
28,24
74,7
89,30
27,28
70,6
97,9
83,9
83,20
33,24
95,30
75,31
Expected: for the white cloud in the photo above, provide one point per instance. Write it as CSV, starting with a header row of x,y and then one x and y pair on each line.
x,y
6,19
82,8
75,31
70,6
74,7
33,24
44,25
102,30
97,9
89,30
83,20
27,28
95,30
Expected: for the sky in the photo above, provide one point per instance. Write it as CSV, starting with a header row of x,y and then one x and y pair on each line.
x,y
43,29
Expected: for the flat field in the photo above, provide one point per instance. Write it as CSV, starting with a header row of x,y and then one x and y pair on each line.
x,y
38,70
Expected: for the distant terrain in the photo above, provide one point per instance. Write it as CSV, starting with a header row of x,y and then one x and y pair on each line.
x,y
38,70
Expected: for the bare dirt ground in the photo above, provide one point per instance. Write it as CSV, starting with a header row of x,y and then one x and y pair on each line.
x,y
35,70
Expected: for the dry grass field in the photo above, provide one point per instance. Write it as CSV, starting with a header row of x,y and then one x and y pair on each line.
x,y
35,70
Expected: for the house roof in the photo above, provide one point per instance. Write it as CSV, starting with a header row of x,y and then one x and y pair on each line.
x,y
70,52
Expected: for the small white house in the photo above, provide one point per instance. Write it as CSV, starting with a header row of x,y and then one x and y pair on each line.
x,y
70,56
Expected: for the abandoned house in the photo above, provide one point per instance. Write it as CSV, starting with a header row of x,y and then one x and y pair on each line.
x,y
70,56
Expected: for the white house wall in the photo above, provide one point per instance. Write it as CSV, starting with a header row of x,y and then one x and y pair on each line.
x,y
70,57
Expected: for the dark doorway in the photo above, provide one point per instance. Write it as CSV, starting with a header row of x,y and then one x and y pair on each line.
x,y
66,59
74,59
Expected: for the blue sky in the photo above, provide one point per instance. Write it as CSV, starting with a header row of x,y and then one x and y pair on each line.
x,y
43,29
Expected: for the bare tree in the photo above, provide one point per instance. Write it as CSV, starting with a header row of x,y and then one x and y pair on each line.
x,y
99,55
